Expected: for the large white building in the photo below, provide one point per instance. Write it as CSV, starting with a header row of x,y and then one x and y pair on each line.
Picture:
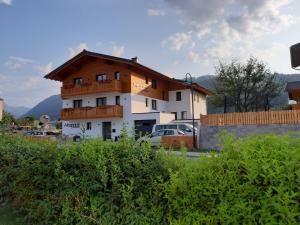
x,y
102,94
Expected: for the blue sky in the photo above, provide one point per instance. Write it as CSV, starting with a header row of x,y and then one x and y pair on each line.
x,y
171,36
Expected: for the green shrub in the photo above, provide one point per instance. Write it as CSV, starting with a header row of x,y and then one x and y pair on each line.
x,y
255,180
94,182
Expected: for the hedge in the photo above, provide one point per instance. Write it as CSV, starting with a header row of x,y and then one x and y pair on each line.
x,y
255,180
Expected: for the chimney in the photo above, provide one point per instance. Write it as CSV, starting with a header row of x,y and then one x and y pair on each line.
x,y
134,59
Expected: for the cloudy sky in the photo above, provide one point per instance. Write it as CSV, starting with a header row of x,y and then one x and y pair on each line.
x,y
171,36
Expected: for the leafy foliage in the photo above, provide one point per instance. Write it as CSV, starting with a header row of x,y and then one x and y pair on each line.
x,y
254,181
246,87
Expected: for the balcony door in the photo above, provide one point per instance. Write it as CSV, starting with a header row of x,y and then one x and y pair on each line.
x,y
106,130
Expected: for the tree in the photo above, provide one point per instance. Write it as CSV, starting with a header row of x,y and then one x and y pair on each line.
x,y
7,120
246,87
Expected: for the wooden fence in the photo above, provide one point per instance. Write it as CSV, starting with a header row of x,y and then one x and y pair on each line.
x,y
252,118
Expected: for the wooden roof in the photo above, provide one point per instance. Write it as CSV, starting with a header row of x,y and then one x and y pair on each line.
x,y
57,74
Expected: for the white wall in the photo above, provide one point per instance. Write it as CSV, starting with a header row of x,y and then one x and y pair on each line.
x,y
186,103
138,104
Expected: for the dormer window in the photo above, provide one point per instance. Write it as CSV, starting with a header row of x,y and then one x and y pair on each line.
x,y
77,81
117,75
101,77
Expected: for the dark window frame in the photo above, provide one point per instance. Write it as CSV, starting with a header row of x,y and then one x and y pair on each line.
x,y
175,113
75,81
146,80
118,100
101,75
147,102
154,104
103,103
184,115
117,75
178,96
89,126
77,103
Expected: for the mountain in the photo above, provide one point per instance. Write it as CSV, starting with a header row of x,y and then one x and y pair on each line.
x,y
277,103
50,106
16,111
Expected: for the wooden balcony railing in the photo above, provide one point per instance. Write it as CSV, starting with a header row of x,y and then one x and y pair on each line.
x,y
107,111
252,118
91,88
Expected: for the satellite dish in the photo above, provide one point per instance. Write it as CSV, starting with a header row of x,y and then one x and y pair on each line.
x,y
45,119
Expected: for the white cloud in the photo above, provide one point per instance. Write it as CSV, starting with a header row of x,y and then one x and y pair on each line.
x,y
32,90
45,69
178,40
232,28
6,2
79,48
17,62
118,51
156,12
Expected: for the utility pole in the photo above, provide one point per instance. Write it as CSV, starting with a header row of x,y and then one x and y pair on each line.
x,y
193,116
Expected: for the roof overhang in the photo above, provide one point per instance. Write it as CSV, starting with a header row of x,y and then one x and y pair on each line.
x,y
58,73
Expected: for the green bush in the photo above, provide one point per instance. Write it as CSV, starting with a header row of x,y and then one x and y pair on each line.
x,y
255,180
94,182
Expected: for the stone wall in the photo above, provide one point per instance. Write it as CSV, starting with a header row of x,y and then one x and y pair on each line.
x,y
208,134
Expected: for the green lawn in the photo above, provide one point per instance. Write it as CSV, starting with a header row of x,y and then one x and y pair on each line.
x,y
6,216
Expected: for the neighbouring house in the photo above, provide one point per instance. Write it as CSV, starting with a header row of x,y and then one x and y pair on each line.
x,y
293,89
101,94
1,108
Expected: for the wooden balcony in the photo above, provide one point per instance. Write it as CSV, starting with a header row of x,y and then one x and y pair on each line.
x,y
107,111
91,88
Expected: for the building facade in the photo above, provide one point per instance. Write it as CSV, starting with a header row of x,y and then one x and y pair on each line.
x,y
102,94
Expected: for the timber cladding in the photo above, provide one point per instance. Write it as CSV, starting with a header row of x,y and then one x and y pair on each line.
x,y
252,118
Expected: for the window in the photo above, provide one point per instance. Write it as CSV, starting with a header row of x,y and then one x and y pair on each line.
x,y
154,104
88,125
183,115
178,96
101,101
146,102
175,113
101,77
185,128
77,81
117,75
169,132
117,100
154,83
198,97
146,79
77,103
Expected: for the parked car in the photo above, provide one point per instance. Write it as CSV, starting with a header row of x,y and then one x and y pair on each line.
x,y
155,138
36,133
185,127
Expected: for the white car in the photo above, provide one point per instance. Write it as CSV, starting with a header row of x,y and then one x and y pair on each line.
x,y
185,127
155,137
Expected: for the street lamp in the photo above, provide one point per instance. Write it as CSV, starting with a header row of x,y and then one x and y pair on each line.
x,y
193,117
